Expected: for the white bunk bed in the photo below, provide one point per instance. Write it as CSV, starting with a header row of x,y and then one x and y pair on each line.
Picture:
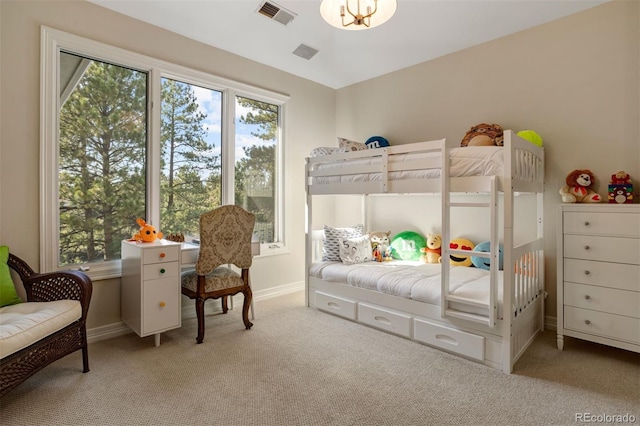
x,y
475,323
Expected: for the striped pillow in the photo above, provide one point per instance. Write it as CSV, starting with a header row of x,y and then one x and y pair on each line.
x,y
332,238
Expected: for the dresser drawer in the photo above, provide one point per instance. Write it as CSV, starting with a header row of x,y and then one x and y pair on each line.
x,y
390,321
160,306
613,275
602,299
619,224
608,249
602,324
161,270
450,339
336,305
161,254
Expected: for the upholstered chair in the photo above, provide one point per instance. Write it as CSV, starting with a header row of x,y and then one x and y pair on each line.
x,y
225,239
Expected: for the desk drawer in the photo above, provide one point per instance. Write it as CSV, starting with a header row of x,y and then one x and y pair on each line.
x,y
385,319
450,339
602,223
161,270
336,305
602,299
601,324
608,249
161,254
613,275
160,306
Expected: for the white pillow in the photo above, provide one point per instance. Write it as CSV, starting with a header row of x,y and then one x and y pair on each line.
x,y
332,237
326,150
350,145
355,250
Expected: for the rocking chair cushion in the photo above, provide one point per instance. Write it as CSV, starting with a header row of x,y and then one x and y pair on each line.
x,y
26,323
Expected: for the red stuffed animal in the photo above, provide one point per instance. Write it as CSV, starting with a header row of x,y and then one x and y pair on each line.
x,y
578,188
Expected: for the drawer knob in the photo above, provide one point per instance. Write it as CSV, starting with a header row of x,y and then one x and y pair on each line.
x,y
587,223
162,304
162,271
162,255
587,247
587,297
587,322
587,272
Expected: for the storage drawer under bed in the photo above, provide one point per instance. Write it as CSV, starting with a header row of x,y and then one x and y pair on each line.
x,y
385,319
450,339
336,305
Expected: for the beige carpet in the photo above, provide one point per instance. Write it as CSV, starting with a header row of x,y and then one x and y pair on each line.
x,y
298,366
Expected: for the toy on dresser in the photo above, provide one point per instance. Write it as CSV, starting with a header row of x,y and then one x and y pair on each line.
x,y
432,252
620,188
578,188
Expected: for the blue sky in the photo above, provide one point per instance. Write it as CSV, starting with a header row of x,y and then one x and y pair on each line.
x,y
210,104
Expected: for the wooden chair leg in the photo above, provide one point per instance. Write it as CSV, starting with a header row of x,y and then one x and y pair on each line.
x,y
248,296
225,304
200,315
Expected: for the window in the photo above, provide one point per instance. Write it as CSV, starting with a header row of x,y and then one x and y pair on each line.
x,y
127,136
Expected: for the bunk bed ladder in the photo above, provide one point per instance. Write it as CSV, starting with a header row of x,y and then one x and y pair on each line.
x,y
447,298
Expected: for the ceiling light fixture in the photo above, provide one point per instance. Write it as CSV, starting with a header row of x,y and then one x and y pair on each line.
x,y
357,14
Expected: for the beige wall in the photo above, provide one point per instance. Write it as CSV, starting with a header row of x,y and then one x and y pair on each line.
x,y
575,81
310,122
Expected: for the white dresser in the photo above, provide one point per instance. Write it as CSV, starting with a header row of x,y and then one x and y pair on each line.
x,y
598,280
151,294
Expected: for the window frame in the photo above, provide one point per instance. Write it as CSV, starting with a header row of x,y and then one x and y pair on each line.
x,y
52,43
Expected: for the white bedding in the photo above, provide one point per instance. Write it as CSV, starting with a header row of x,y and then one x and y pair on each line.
x,y
467,161
413,280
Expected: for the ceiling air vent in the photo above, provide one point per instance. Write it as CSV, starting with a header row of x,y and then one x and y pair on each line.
x,y
304,51
276,13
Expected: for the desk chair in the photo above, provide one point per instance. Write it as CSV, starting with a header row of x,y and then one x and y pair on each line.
x,y
225,238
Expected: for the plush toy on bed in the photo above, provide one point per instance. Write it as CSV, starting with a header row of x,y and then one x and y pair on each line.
x,y
578,188
380,245
459,259
432,252
483,134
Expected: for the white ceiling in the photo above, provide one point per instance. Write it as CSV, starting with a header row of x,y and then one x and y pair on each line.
x,y
419,31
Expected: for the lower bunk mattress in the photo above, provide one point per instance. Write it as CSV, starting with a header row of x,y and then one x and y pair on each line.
x,y
414,280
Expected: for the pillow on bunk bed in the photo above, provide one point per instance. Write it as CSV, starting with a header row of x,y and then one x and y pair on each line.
x,y
355,250
350,145
332,237
326,150
407,245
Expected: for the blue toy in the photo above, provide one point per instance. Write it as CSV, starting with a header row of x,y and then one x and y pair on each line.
x,y
485,262
376,142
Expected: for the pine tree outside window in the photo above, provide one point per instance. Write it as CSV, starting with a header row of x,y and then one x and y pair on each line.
x,y
127,136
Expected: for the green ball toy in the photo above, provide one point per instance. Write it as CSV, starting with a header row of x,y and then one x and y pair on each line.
x,y
531,136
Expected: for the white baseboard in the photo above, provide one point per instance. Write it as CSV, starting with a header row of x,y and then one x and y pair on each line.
x,y
109,331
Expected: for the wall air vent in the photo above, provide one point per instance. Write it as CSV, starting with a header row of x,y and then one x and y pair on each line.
x,y
304,51
276,13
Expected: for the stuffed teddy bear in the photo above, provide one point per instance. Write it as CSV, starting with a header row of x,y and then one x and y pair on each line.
x,y
432,252
578,188
147,233
483,134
